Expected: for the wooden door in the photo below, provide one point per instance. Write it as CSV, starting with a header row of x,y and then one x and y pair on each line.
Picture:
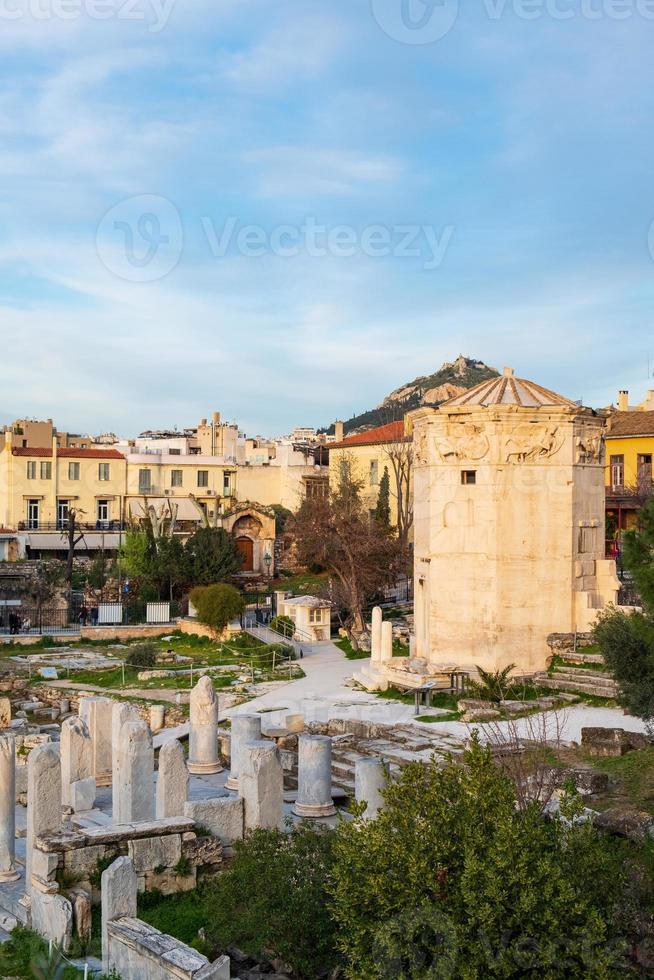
x,y
246,547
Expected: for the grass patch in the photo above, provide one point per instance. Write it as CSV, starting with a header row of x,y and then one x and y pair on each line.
x,y
113,679
304,583
399,650
181,916
573,665
25,953
439,699
435,719
351,654
633,773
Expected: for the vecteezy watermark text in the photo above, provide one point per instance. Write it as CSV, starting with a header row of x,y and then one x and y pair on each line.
x,y
141,239
339,241
153,13
427,21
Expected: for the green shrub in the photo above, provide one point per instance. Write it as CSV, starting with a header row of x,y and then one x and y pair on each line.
x,y
142,655
217,605
453,879
274,897
282,651
283,625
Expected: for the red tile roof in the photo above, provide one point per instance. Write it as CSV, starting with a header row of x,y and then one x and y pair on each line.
x,y
67,453
624,424
391,432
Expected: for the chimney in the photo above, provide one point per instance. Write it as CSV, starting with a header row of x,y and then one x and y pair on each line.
x,y
509,372
216,418
623,401
338,432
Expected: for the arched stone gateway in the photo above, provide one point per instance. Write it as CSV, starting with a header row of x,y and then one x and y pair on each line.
x,y
254,532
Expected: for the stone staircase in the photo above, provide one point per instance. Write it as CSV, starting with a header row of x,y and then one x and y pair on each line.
x,y
579,680
398,746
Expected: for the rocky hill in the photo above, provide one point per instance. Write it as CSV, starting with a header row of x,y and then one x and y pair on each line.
x,y
430,389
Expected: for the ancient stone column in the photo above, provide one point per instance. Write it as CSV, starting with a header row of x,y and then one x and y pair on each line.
x,y
121,712
118,886
294,723
261,785
314,797
76,756
7,808
245,728
386,640
134,800
370,779
203,755
43,798
96,712
157,715
172,780
375,635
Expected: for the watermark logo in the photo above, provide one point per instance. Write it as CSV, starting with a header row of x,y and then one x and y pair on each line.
x,y
415,21
316,240
141,239
155,14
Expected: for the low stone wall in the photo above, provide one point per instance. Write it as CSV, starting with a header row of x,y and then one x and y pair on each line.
x,y
136,949
196,628
121,633
173,714
166,855
560,643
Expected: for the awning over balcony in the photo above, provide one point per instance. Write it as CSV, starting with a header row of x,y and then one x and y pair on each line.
x,y
186,509
92,541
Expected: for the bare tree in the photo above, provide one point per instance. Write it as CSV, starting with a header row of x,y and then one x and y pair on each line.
x,y
336,533
399,453
212,521
161,520
527,750
73,536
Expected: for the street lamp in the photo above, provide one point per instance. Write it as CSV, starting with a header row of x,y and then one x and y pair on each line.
x,y
267,558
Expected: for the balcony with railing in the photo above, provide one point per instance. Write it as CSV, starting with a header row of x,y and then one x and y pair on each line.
x,y
63,526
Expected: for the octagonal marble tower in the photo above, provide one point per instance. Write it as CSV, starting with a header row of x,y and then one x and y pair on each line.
x,y
509,525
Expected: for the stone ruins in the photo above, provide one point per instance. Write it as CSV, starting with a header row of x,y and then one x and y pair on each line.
x,y
97,809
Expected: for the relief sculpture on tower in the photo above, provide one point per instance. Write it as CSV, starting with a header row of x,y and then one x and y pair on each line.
x,y
530,442
471,443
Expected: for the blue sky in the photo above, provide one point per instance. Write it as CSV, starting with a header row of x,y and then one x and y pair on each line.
x,y
130,145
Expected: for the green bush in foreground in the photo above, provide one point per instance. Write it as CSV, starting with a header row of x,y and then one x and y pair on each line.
x,y
452,880
274,897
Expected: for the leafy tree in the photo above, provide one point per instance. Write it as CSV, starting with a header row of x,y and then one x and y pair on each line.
x,y
627,639
274,898
336,533
627,644
45,581
136,554
638,554
453,880
211,556
217,605
158,564
383,508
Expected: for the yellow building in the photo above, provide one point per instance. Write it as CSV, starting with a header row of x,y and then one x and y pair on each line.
x,y
629,454
162,479
370,453
40,486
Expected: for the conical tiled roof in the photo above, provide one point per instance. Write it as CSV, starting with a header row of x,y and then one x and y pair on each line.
x,y
509,390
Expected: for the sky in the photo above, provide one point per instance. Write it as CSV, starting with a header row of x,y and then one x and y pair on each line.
x,y
284,210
